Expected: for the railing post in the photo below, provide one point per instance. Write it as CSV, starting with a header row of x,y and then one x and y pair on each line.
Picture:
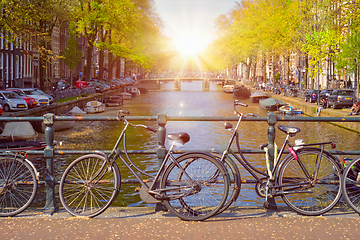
x,y
161,150
206,85
50,205
271,152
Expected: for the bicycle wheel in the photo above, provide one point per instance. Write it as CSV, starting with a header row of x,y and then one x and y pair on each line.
x,y
88,186
302,194
18,186
235,181
351,184
201,197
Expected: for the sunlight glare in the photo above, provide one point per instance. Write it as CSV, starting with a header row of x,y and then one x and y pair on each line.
x,y
190,45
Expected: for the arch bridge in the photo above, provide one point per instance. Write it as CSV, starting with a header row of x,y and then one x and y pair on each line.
x,y
154,83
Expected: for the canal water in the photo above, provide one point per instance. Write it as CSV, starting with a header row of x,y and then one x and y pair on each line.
x,y
190,101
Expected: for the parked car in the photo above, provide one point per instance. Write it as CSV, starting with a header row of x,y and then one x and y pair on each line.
x,y
1,110
31,102
41,99
340,98
311,95
324,94
60,85
99,87
51,98
12,102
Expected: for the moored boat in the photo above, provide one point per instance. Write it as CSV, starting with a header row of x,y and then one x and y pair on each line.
x,y
271,104
257,95
20,136
228,88
94,107
287,109
134,91
240,91
125,95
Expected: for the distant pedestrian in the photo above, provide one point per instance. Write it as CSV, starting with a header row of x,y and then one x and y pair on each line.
x,y
355,109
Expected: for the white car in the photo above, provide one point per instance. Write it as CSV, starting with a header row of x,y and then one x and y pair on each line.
x,y
12,102
42,100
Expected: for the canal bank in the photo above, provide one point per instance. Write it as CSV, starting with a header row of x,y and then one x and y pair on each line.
x,y
310,109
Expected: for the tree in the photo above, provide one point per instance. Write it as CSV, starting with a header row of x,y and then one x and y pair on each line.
x,y
32,21
72,55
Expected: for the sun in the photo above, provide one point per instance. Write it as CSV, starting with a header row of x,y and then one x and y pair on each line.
x,y
190,45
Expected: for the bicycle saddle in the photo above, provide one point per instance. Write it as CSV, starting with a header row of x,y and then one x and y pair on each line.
x,y
182,137
289,130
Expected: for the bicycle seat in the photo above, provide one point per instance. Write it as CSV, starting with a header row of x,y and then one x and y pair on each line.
x,y
182,137
289,130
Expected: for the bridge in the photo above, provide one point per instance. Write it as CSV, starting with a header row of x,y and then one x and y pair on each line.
x,y
154,83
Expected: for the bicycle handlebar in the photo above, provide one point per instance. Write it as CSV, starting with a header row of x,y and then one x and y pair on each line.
x,y
121,115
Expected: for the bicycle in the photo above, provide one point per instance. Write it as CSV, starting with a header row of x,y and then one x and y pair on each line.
x,y
186,184
307,179
351,184
18,183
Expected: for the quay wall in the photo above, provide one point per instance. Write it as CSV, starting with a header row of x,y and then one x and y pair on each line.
x,y
59,108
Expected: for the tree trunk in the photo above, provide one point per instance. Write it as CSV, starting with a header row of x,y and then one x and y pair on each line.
x,y
111,62
101,65
306,70
41,73
118,67
88,62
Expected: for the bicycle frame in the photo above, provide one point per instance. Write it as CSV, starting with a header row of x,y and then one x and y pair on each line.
x,y
278,162
153,188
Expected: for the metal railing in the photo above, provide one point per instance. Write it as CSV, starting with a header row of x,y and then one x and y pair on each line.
x,y
49,152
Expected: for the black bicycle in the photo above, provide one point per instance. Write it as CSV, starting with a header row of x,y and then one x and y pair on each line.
x,y
18,183
307,178
351,184
186,184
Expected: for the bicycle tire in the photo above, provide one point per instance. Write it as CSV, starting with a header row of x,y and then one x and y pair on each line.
x,y
324,195
83,198
235,181
351,186
18,186
208,194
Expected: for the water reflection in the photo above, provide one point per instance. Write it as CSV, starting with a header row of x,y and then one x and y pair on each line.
x,y
192,101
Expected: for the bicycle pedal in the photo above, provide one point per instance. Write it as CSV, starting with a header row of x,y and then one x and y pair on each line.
x,y
137,189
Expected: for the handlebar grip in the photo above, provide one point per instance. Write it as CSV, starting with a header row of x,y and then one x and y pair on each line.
x,y
252,114
263,146
151,129
236,102
121,114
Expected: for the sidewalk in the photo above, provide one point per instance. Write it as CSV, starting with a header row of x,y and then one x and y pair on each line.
x,y
145,223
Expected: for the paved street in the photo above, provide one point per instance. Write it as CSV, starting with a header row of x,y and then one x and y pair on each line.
x,y
145,223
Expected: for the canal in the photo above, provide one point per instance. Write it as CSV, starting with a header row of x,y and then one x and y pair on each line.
x,y
190,101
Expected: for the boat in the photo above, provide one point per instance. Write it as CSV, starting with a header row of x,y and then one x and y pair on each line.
x,y
39,126
240,91
271,104
94,107
113,101
228,88
287,109
20,136
257,95
125,95
134,91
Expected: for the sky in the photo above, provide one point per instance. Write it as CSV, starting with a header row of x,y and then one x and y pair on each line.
x,y
192,19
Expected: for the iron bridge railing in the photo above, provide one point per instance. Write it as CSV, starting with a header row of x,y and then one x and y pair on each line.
x,y
49,152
